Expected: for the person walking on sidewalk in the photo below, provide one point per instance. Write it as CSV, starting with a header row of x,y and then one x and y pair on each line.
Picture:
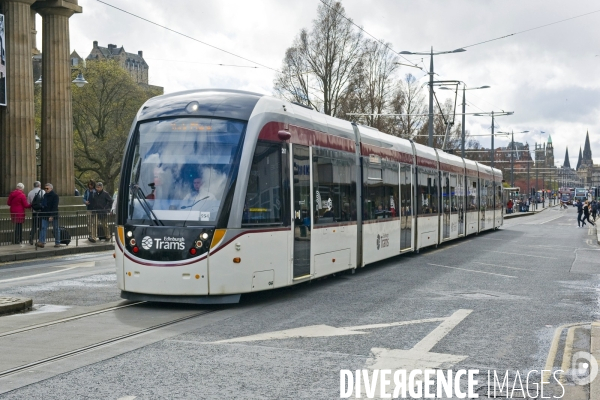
x,y
34,198
580,222
49,214
101,203
91,217
594,207
586,213
18,203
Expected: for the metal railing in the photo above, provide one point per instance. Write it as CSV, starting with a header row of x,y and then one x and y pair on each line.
x,y
80,225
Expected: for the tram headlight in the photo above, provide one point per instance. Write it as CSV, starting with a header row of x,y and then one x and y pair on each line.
x,y
129,234
132,242
192,107
198,243
204,236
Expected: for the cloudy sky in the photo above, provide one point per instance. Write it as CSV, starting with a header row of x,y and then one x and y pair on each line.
x,y
547,76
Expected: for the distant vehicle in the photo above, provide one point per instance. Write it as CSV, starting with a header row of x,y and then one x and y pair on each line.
x,y
566,198
580,194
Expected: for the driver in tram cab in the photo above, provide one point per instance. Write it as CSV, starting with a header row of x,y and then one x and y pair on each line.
x,y
198,194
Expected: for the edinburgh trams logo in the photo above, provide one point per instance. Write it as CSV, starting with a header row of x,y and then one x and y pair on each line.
x,y
147,243
166,243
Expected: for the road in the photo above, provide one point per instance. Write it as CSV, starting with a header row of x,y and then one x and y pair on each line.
x,y
521,298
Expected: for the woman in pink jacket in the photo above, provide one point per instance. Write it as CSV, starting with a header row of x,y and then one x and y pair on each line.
x,y
18,203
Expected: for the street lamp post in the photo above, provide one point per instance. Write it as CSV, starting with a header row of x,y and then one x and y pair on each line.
x,y
493,114
464,105
431,54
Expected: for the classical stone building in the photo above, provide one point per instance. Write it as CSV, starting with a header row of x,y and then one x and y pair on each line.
x,y
17,132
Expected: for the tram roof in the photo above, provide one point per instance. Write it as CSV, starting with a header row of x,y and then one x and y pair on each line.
x,y
224,103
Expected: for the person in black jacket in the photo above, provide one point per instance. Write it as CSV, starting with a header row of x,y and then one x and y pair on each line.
x,y
49,213
586,214
580,221
100,204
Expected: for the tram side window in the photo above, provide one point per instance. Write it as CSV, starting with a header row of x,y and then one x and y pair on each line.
x,y
490,193
498,195
406,190
381,190
265,202
334,186
427,192
472,203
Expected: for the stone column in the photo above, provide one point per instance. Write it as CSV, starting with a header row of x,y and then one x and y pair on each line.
x,y
57,111
17,119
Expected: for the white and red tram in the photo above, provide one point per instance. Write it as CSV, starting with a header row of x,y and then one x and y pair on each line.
x,y
226,192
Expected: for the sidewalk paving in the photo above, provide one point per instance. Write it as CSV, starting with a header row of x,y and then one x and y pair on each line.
x,y
20,252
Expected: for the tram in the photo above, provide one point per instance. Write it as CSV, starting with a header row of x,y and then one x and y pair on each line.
x,y
227,192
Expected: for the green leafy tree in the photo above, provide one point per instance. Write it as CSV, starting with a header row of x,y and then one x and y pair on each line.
x,y
103,111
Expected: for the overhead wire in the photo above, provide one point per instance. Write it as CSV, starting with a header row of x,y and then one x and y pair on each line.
x,y
532,29
187,36
359,27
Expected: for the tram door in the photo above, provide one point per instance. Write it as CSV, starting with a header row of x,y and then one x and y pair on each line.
x,y
460,200
406,209
446,206
302,211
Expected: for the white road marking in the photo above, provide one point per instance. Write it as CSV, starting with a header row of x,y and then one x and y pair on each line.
x,y
519,254
419,357
472,270
83,265
551,219
127,398
429,341
323,331
503,266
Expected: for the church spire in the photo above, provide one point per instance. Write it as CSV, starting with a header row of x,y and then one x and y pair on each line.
x,y
567,163
580,159
587,151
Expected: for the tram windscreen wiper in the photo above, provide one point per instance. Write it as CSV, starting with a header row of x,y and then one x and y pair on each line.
x,y
136,189
196,202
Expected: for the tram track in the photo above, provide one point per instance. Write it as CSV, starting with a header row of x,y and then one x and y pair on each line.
x,y
59,321
94,346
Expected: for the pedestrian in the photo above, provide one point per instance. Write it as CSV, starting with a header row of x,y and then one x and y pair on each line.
x,y
18,203
101,203
91,217
580,222
49,214
34,198
594,207
509,207
586,213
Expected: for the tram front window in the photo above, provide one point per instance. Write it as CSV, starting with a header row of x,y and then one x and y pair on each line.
x,y
180,169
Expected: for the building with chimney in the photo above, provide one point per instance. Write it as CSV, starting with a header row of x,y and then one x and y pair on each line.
x,y
131,62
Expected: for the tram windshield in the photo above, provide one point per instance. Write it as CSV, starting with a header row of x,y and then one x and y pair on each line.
x,y
180,169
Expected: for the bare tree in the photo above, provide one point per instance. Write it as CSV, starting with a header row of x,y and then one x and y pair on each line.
x,y
372,87
409,100
318,67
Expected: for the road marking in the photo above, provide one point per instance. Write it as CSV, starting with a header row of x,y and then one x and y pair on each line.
x,y
83,265
567,353
552,219
429,341
472,270
519,254
127,398
529,245
420,356
322,331
503,266
554,348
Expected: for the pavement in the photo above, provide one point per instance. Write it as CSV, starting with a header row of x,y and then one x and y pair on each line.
x,y
21,252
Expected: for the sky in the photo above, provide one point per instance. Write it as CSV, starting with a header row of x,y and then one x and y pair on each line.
x,y
547,76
